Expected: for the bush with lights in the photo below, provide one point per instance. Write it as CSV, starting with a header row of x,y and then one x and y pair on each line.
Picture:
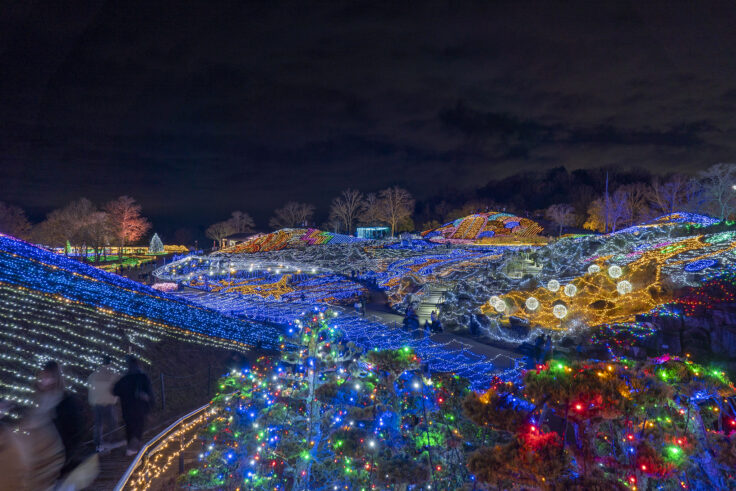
x,y
608,425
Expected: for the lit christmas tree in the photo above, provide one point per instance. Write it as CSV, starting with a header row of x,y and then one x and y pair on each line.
x,y
326,415
156,246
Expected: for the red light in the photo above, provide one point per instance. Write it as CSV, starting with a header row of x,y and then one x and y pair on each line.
x,y
630,436
579,407
643,467
533,428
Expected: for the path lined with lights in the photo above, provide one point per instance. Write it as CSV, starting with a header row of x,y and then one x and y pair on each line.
x,y
452,356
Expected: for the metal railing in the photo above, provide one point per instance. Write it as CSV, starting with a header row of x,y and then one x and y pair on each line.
x,y
154,444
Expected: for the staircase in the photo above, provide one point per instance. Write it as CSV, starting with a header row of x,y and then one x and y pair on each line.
x,y
432,299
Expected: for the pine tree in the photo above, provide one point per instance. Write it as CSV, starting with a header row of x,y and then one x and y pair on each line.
x,y
156,246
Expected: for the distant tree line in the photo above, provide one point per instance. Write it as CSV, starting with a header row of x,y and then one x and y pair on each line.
x,y
80,224
601,200
392,207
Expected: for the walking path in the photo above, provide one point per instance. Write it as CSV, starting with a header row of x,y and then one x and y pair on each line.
x,y
382,329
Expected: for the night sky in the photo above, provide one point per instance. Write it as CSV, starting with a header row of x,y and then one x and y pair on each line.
x,y
196,109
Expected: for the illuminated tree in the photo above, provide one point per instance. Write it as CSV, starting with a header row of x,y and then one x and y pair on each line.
x,y
13,221
346,208
291,215
561,214
595,220
156,246
126,221
328,415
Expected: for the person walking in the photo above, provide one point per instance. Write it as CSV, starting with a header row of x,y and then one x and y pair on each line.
x,y
44,446
13,460
136,399
102,401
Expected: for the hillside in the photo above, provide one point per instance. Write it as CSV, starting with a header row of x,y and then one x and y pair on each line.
x,y
53,307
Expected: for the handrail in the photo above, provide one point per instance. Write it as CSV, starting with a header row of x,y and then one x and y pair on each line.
x,y
153,444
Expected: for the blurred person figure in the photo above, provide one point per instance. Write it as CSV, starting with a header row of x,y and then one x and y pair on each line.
x,y
68,417
136,399
43,444
102,401
13,459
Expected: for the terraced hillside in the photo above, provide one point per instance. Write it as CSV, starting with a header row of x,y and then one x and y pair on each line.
x,y
52,307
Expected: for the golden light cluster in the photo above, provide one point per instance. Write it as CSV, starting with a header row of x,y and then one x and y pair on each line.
x,y
608,292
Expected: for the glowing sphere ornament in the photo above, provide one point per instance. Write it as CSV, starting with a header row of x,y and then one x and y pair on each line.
x,y
570,290
532,303
615,271
623,287
553,285
594,268
559,311
497,304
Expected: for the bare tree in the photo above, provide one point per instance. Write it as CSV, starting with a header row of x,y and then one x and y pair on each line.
x,y
241,222
292,214
220,230
618,208
100,232
671,195
561,214
607,214
346,208
371,213
637,203
69,224
395,206
54,231
13,221
719,189
126,221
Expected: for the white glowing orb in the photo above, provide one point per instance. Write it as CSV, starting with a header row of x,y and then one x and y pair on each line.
x,y
615,271
532,303
500,306
553,285
623,287
497,303
559,311
594,268
570,290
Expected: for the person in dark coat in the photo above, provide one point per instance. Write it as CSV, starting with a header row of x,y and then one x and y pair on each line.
x,y
136,399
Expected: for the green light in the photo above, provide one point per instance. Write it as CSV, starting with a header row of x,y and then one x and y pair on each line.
x,y
675,451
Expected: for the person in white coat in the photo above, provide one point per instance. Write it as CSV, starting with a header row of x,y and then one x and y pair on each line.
x,y
103,401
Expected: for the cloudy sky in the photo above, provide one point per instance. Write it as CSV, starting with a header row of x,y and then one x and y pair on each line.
x,y
197,109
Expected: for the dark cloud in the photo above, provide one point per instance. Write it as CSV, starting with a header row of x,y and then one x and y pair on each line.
x,y
197,108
